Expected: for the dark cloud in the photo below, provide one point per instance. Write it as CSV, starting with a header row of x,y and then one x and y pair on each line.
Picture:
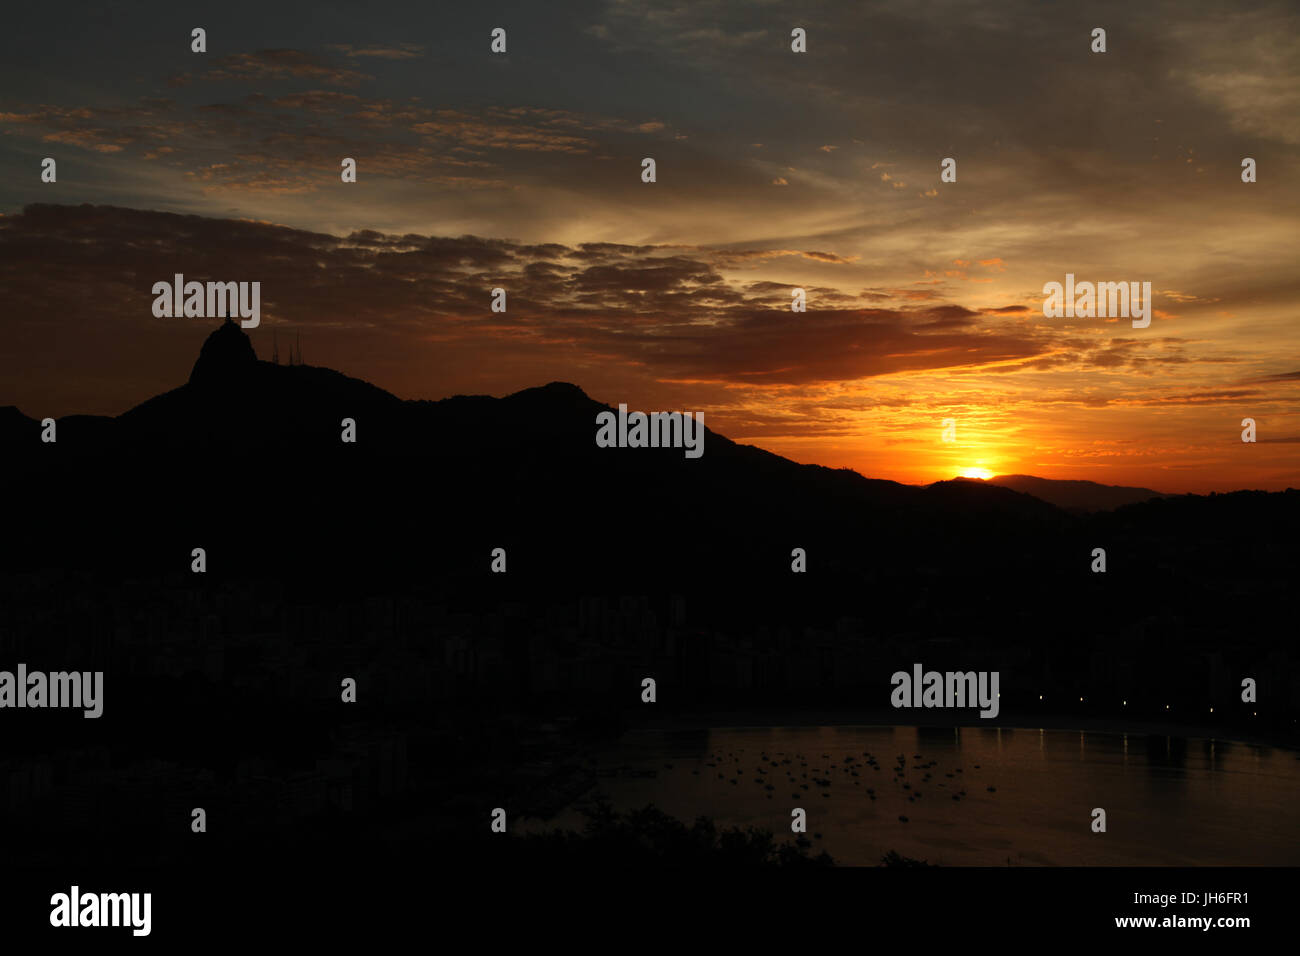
x,y
278,144
644,307
264,65
1209,396
400,51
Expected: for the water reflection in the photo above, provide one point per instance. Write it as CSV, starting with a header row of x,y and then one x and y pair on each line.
x,y
972,796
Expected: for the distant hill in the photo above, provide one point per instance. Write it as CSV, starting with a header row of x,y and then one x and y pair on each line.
x,y
246,460
245,446
816,577
1077,496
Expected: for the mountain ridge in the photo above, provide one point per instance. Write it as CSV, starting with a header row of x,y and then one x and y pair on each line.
x,y
237,405
1075,494
229,381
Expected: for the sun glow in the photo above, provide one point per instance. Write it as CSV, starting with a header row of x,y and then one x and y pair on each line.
x,y
981,473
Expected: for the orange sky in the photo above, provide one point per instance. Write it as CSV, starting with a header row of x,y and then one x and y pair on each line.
x,y
775,170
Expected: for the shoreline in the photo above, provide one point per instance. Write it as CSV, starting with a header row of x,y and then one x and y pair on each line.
x,y
738,719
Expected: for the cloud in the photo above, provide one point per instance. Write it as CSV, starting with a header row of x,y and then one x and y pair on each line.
x,y
663,310
684,285
400,51
1280,377
268,65
274,144
480,131
829,257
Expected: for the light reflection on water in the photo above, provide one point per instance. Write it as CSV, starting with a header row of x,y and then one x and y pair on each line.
x,y
1168,800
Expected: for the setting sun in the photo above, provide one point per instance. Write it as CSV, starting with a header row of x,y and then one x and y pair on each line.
x,y
981,473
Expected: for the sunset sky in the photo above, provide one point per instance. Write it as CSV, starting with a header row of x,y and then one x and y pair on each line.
x,y
775,170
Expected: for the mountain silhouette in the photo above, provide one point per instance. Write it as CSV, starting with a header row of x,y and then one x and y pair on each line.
x,y
235,404
226,354
1080,496
246,460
